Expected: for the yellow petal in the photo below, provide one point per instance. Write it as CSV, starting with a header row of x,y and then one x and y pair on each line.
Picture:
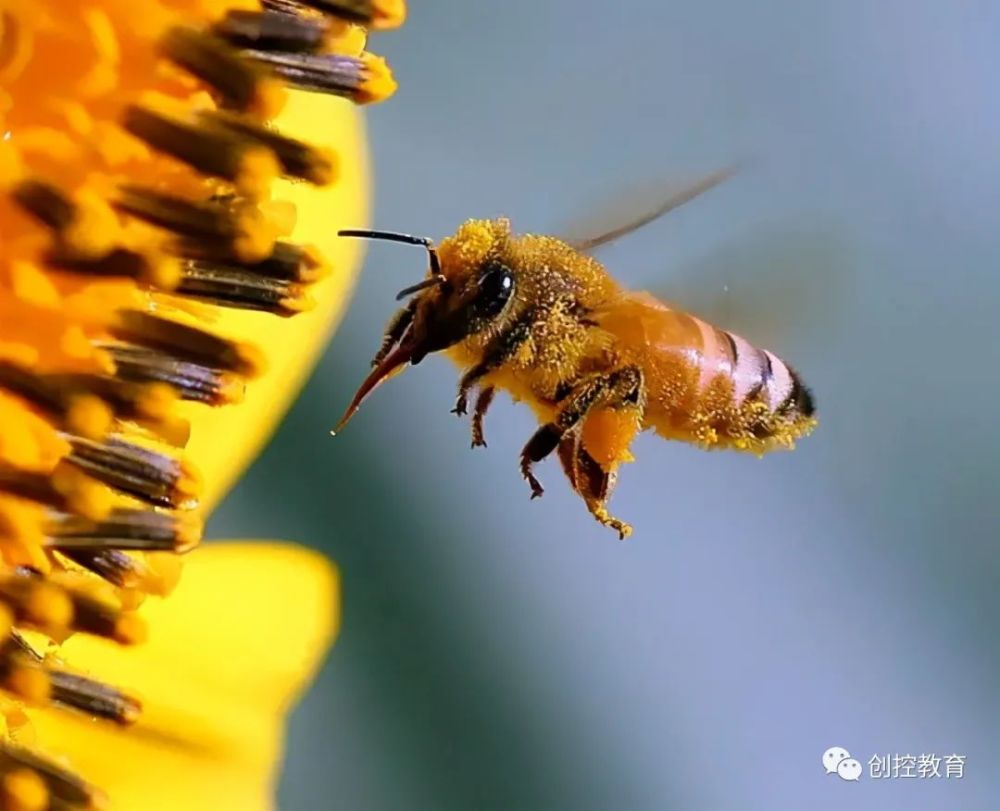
x,y
229,652
224,441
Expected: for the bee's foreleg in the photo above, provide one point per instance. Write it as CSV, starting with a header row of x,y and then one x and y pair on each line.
x,y
483,402
394,330
500,350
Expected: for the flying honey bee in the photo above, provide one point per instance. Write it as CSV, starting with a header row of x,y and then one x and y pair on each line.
x,y
540,318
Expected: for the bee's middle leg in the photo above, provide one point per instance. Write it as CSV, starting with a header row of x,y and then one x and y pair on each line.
x,y
483,402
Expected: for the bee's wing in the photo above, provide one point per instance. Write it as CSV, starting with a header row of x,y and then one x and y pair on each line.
x,y
779,286
590,243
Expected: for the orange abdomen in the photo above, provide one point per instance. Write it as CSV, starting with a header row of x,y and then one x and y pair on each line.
x,y
704,384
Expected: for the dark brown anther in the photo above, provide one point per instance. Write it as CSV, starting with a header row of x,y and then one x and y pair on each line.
x,y
66,790
119,263
297,158
45,202
211,151
328,73
187,218
288,261
272,31
100,617
123,529
94,698
237,287
154,477
240,83
360,12
118,568
186,342
31,485
32,387
192,381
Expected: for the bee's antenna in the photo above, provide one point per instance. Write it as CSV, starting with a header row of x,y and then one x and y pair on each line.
x,y
392,236
433,281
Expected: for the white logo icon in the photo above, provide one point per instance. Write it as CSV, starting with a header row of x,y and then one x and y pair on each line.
x,y
837,760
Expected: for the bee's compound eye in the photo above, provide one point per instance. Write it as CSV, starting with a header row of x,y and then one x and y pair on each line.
x,y
496,284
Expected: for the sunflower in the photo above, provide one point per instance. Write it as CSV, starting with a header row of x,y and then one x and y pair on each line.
x,y
160,180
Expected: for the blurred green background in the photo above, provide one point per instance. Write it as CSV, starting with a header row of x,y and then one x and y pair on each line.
x,y
498,653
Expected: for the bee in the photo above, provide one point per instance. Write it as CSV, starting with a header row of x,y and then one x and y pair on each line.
x,y
541,319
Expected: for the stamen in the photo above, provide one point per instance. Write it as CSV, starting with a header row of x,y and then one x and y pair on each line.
x,y
37,603
188,343
242,227
66,490
218,153
45,202
230,287
127,400
376,14
363,79
241,84
297,159
94,615
138,530
94,697
23,790
272,31
21,672
191,381
154,477
65,789
118,568
288,260
155,269
75,410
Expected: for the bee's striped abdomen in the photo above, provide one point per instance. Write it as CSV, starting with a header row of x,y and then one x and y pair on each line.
x,y
707,385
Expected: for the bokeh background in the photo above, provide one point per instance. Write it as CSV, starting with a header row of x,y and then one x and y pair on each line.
x,y
498,653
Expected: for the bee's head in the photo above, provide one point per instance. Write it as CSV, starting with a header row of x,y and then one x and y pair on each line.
x,y
468,287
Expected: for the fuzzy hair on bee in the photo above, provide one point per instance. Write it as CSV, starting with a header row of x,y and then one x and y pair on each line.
x,y
542,320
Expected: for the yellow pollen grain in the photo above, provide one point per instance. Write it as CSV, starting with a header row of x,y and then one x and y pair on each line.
x,y
389,14
32,285
130,629
163,271
281,216
232,389
31,684
298,304
6,620
165,572
89,416
49,607
131,596
24,790
89,498
258,168
269,98
253,358
379,83
255,236
189,482
157,400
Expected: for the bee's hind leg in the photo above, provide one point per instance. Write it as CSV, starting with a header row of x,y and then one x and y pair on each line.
x,y
593,391
592,482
